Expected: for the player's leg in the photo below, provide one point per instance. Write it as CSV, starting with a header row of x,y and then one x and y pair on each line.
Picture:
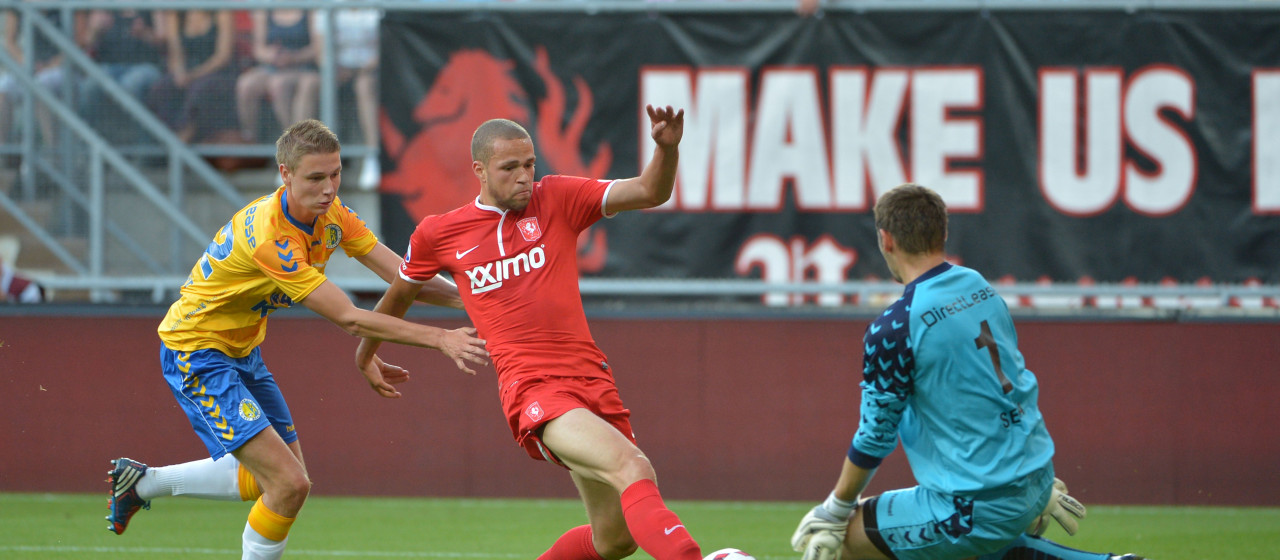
x,y
275,458
605,537
597,451
205,383
222,479
284,489
1028,547
919,524
857,545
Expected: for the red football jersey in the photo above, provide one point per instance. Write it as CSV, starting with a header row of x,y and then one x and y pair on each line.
x,y
517,273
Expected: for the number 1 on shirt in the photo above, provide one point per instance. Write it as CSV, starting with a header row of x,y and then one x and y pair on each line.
x,y
986,340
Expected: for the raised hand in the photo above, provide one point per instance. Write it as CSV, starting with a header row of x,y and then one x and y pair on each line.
x,y
667,125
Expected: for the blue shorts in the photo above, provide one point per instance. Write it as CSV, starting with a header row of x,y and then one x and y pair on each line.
x,y
228,400
917,523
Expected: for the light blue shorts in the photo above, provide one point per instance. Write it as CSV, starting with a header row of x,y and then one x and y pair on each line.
x,y
918,524
228,400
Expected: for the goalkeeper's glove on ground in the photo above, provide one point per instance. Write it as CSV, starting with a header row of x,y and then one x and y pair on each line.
x,y
1062,508
821,533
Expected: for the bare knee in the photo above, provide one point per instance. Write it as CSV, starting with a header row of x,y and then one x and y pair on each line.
x,y
252,85
291,489
300,486
280,89
632,469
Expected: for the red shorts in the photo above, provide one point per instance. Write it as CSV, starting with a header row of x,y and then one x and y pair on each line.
x,y
532,402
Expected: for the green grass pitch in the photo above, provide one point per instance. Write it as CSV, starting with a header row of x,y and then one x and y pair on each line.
x,y
71,526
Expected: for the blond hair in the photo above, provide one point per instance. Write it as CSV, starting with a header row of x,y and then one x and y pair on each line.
x,y
305,137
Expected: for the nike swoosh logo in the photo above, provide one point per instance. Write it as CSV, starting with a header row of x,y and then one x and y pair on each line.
x,y
672,530
461,254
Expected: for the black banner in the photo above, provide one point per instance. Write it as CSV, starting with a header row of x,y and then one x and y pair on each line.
x,y
1070,146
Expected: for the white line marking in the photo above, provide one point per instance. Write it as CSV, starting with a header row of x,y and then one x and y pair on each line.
x,y
229,552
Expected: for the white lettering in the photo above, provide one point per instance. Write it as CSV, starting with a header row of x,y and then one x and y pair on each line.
x,y
937,138
1066,186
714,148
1158,181
789,141
511,267
1167,188
825,262
483,276
864,123
1266,141
724,166
770,256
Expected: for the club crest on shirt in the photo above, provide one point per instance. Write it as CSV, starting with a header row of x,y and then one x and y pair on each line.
x,y
534,411
332,236
249,410
529,229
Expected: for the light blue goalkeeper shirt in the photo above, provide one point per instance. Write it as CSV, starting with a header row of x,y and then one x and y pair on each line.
x,y
942,371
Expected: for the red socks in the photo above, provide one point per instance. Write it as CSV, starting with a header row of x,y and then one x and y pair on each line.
x,y
654,527
575,544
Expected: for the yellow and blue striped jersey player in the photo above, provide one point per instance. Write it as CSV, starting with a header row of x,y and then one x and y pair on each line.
x,y
942,374
271,255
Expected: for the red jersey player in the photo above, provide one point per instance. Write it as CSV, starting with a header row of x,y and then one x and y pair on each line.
x,y
513,253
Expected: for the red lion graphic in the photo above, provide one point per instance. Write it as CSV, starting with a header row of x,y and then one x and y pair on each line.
x,y
433,169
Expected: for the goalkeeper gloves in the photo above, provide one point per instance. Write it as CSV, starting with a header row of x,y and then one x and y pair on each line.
x,y
821,533
1062,508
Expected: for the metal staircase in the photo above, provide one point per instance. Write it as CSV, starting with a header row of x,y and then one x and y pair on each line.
x,y
90,209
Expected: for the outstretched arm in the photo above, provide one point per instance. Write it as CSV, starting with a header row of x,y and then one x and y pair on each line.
x,y
400,295
385,263
330,302
653,186
395,302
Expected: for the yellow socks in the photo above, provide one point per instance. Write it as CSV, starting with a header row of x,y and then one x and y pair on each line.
x,y
268,523
249,489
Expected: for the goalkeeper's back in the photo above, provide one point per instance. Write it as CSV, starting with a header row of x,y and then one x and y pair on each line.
x,y
972,422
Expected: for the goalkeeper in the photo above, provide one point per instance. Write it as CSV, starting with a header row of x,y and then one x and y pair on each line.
x,y
942,371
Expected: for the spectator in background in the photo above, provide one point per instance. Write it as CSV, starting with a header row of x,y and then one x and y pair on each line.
x,y
127,44
196,97
808,7
15,288
48,73
355,46
285,52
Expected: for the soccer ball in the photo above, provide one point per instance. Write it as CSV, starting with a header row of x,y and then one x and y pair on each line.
x,y
729,554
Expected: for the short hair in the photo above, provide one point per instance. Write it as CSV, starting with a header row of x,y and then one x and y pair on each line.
x,y
489,132
305,137
915,216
